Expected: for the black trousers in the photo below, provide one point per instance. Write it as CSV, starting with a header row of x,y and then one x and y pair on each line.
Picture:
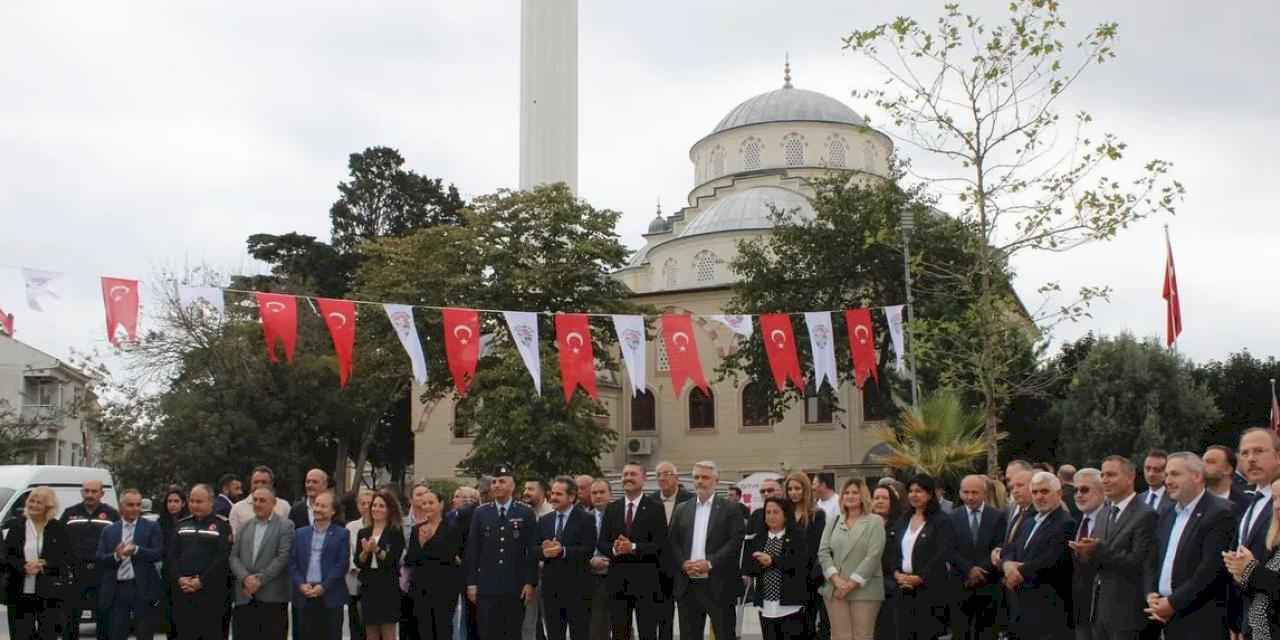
x,y
974,617
567,614
817,624
34,618
261,621
354,625
434,618
199,615
792,627
500,617
408,621
129,608
318,622
667,609
89,600
699,603
645,607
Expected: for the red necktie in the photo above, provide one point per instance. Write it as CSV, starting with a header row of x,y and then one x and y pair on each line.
x,y
631,516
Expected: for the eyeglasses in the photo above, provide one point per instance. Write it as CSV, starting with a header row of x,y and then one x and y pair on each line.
x,y
1083,490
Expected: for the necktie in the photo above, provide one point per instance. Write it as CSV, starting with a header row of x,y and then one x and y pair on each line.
x,y
973,524
502,514
1115,514
631,516
559,524
1084,528
1245,524
1013,528
126,563
1151,499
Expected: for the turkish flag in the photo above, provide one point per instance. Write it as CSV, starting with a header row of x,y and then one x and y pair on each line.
x,y
340,317
462,345
577,361
6,323
682,353
279,312
1173,306
862,345
780,346
1275,407
120,297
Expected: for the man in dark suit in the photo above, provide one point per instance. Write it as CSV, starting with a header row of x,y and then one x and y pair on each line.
x,y
1260,460
601,492
979,528
1119,550
318,564
706,537
1084,572
671,494
568,536
127,553
1037,565
1219,469
502,560
315,482
634,539
229,492
1187,582
1153,471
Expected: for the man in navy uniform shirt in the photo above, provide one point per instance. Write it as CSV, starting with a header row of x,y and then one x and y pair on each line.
x,y
502,554
85,523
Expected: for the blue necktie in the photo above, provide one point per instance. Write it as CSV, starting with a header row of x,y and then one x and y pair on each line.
x,y
559,525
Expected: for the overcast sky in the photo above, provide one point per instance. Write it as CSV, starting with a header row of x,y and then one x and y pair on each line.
x,y
145,135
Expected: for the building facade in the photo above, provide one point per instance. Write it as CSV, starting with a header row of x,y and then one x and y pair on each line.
x,y
756,160
37,388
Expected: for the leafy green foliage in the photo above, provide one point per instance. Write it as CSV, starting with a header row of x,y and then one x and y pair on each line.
x,y
19,438
1242,389
942,438
384,199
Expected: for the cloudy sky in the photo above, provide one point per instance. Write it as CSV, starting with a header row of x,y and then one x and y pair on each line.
x,y
145,135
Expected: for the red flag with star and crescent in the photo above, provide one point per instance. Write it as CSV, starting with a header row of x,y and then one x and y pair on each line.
x,y
1275,408
6,323
462,345
279,312
120,297
682,353
1173,306
577,360
780,347
340,317
862,345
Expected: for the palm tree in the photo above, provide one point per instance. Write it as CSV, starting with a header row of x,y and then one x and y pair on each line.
x,y
942,438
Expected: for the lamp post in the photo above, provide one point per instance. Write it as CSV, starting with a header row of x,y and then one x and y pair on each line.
x,y
907,225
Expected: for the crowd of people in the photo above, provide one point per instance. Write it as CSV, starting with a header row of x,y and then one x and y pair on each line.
x,y
1039,553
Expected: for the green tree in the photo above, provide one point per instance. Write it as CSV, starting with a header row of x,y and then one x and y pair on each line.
x,y
384,199
942,438
1242,389
531,250
981,100
1130,395
19,438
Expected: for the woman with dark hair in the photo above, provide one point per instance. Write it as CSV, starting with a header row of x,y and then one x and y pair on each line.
x,y
813,520
173,507
377,553
779,559
434,560
920,564
886,503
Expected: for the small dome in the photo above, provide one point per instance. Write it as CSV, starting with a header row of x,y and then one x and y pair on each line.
x,y
749,209
789,105
659,225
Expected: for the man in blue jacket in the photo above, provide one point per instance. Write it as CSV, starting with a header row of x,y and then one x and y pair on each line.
x,y
130,587
318,566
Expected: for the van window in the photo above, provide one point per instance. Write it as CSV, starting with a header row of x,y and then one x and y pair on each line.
x,y
18,507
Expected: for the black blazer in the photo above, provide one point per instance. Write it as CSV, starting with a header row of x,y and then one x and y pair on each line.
x,y
928,557
1084,575
1239,499
568,575
1042,601
1263,583
636,573
1199,576
813,536
435,569
298,515
1120,559
56,553
390,549
793,562
725,533
966,554
1256,538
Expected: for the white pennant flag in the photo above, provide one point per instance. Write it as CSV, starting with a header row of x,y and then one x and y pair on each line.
x,y
189,297
894,316
740,324
37,282
401,317
524,331
631,341
822,344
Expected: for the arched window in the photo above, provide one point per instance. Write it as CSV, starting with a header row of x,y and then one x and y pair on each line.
x,y
704,266
670,273
755,407
836,155
702,409
818,404
793,150
643,416
752,151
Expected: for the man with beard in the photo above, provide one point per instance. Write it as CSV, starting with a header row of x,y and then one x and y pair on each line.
x,y
85,523
634,539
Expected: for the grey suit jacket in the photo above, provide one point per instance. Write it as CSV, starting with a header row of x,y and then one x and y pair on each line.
x,y
1126,548
271,564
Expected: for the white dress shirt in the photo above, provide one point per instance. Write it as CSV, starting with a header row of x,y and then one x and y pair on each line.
x,y
831,506
909,545
701,522
1146,497
1182,515
1124,504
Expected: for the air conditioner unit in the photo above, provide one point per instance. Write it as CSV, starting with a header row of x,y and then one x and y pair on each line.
x,y
641,446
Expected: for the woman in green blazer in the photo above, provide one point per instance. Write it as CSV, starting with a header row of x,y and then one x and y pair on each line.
x,y
850,552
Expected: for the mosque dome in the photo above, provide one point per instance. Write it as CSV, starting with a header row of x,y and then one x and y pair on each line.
x,y
659,224
789,104
749,209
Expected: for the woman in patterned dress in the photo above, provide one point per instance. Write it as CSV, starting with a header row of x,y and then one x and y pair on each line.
x,y
780,562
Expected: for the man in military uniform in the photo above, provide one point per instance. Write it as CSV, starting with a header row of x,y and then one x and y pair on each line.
x,y
502,560
85,522
201,556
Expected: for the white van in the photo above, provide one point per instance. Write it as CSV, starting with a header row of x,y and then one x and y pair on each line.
x,y
16,481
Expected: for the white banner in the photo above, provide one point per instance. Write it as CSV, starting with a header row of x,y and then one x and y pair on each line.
x,y
822,343
524,331
401,317
894,316
189,297
37,283
740,325
631,342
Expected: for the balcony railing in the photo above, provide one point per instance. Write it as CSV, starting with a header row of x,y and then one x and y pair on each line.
x,y
45,414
